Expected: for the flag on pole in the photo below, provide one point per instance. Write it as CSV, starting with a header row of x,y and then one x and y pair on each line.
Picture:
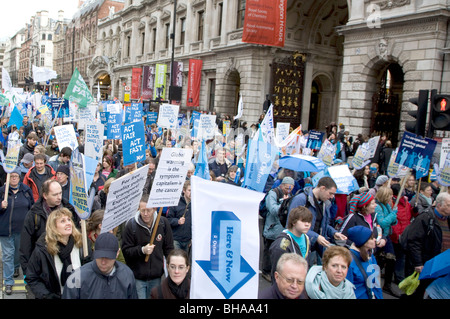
x,y
240,108
202,168
43,74
77,91
267,128
6,80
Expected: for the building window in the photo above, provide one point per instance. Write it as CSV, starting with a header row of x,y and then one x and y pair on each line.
x,y
42,61
128,45
220,7
240,14
154,40
43,36
183,30
42,48
166,45
212,94
201,21
49,37
142,42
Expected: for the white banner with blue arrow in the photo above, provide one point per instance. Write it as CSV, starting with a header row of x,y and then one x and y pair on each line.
x,y
225,241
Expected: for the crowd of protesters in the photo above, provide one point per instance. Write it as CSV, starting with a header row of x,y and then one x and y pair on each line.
x,y
327,248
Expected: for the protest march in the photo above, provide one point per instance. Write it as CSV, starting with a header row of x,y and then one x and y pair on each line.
x,y
172,203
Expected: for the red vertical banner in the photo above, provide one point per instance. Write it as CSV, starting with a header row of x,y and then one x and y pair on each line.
x,y
265,22
136,83
194,80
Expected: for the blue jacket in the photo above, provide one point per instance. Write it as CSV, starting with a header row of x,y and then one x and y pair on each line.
x,y
306,199
386,217
12,218
355,276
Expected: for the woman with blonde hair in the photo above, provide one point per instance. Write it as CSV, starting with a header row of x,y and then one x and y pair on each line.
x,y
57,253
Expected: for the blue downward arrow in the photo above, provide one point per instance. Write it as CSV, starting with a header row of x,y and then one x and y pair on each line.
x,y
227,269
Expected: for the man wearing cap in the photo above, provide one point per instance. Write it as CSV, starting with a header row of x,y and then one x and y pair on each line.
x,y
104,277
381,181
272,225
26,163
62,176
318,201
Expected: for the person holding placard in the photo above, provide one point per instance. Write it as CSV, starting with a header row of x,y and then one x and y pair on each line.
x,y
180,220
136,246
16,199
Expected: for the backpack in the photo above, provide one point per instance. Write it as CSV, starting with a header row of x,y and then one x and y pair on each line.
x,y
283,211
403,238
262,204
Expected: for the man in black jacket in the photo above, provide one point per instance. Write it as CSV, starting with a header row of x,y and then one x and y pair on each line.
x,y
425,238
136,246
36,218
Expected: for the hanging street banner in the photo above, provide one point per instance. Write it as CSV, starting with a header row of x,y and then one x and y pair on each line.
x,y
194,82
168,116
416,152
159,91
136,74
225,241
170,177
65,135
148,82
133,143
94,140
77,91
265,22
123,198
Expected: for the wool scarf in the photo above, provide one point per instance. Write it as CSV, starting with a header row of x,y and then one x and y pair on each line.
x,y
319,287
64,255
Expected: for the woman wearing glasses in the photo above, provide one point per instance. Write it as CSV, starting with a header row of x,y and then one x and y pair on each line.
x,y
176,285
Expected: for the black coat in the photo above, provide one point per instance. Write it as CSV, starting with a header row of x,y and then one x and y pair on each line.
x,y
181,232
12,218
135,236
41,274
34,227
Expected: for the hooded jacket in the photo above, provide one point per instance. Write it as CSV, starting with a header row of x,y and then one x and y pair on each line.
x,y
306,198
135,236
29,177
286,244
93,284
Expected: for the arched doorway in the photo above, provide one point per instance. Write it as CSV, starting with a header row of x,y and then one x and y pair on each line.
x,y
232,88
314,108
386,103
104,82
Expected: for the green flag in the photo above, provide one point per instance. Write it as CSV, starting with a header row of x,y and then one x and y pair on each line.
x,y
77,91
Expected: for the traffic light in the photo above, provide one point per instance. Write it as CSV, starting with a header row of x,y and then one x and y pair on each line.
x,y
418,126
440,111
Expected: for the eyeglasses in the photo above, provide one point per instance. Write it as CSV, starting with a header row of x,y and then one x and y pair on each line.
x,y
175,267
290,281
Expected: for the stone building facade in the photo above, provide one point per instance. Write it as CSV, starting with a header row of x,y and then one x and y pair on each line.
x,y
355,62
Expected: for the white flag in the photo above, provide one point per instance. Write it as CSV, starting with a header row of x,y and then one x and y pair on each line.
x,y
43,74
267,128
240,108
225,241
6,80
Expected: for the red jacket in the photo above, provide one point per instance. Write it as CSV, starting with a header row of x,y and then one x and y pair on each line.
x,y
28,179
404,214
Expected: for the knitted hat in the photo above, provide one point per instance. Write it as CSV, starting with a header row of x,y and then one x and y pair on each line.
x,y
359,235
381,180
64,169
359,201
288,180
